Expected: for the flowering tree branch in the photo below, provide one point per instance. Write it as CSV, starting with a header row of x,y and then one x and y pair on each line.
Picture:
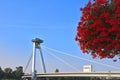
x,y
98,31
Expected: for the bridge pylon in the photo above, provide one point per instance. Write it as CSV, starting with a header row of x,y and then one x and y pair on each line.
x,y
36,45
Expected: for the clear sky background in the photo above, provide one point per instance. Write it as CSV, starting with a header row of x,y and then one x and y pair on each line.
x,y
54,21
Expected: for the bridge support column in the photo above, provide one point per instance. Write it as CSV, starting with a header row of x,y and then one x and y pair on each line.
x,y
42,61
33,62
36,45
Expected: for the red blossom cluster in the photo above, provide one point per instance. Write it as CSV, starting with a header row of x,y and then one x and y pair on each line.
x,y
98,31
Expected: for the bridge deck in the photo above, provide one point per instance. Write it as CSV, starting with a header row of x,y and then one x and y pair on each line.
x,y
80,74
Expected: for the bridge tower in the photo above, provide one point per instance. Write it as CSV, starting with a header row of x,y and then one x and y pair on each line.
x,y
36,45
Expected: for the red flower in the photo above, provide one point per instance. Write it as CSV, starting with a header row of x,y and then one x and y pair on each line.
x,y
103,34
98,31
106,15
113,21
114,28
101,1
94,55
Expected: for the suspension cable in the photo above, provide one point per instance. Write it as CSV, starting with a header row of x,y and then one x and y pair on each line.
x,y
28,63
65,62
80,58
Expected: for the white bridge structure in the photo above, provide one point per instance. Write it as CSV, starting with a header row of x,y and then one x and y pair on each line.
x,y
78,74
46,75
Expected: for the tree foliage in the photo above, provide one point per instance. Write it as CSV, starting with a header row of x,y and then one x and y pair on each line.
x,y
57,70
8,73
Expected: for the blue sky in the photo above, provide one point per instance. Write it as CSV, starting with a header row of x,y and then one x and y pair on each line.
x,y
54,21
